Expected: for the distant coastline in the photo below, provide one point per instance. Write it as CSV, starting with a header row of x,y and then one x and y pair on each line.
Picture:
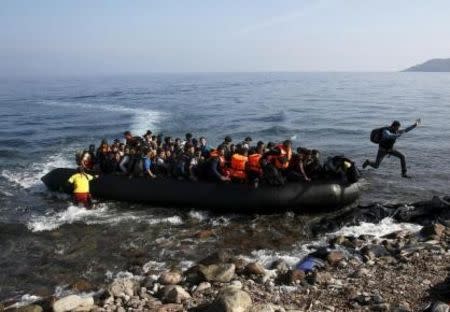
x,y
433,65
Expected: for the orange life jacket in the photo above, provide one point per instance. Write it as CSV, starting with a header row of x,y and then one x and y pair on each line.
x,y
215,153
282,160
237,169
253,163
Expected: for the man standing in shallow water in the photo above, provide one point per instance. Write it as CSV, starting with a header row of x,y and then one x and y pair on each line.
x,y
81,193
387,139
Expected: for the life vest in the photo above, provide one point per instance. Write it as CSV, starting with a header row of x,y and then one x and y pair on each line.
x,y
253,163
237,169
282,160
215,153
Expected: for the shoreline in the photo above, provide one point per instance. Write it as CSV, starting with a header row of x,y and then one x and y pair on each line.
x,y
400,271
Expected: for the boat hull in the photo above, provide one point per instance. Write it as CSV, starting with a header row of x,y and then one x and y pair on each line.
x,y
215,196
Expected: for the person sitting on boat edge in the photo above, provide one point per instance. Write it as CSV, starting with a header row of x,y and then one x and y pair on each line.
x,y
296,171
271,174
226,144
253,166
149,140
105,158
81,190
215,166
341,168
204,147
186,163
129,139
246,143
160,166
313,167
187,139
283,155
147,163
238,164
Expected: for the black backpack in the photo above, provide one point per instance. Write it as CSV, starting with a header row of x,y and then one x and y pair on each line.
x,y
376,135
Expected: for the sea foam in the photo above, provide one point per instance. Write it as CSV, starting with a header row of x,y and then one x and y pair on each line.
x,y
142,118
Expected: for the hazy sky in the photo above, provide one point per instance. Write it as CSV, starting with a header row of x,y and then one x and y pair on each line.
x,y
102,37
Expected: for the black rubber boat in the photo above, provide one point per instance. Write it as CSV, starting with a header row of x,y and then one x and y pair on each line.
x,y
299,197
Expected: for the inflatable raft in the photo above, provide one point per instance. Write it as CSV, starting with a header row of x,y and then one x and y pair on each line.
x,y
224,197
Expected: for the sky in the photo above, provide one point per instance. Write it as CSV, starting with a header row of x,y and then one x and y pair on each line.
x,y
114,37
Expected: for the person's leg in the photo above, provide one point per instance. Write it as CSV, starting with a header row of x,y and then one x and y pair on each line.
x,y
402,160
376,164
83,199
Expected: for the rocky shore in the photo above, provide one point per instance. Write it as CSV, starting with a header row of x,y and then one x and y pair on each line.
x,y
400,271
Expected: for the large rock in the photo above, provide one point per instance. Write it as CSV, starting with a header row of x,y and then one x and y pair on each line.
x,y
170,278
222,272
174,294
231,299
123,286
73,302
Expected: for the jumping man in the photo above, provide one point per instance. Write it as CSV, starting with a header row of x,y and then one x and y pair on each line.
x,y
386,145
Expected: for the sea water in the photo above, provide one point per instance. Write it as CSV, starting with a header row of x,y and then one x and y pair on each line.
x,y
47,242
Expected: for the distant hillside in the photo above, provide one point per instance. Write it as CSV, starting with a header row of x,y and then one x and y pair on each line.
x,y
434,65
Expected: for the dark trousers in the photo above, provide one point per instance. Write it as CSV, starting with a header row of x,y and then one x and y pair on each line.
x,y
383,153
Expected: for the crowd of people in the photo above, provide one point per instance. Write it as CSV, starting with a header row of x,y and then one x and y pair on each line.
x,y
193,159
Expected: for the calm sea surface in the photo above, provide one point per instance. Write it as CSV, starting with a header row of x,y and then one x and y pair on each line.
x,y
47,244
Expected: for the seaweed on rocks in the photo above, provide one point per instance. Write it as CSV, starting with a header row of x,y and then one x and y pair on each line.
x,y
423,212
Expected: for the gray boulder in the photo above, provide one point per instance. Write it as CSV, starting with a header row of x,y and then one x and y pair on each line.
x,y
231,299
73,302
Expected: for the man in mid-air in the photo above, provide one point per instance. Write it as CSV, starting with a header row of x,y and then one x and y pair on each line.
x,y
386,139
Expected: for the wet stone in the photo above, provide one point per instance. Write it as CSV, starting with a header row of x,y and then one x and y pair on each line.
x,y
255,268
223,272
231,299
72,302
170,278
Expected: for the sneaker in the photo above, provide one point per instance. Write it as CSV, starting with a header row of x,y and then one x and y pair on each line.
x,y
365,164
